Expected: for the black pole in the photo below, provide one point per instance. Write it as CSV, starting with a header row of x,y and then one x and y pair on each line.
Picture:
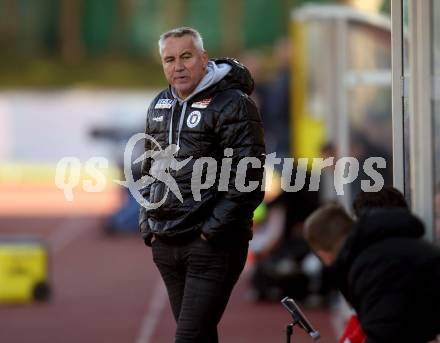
x,y
289,331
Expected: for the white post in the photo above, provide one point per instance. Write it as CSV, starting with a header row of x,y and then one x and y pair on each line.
x,y
397,94
421,136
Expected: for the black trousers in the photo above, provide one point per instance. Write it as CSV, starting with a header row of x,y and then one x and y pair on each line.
x,y
199,277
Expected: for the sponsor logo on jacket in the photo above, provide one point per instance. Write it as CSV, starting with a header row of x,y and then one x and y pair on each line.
x,y
193,119
202,103
163,104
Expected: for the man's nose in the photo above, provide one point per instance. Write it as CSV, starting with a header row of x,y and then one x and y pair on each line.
x,y
179,65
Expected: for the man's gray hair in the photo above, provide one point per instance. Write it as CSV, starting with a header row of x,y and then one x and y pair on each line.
x,y
180,32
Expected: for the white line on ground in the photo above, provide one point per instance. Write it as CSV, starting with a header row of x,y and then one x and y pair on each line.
x,y
151,318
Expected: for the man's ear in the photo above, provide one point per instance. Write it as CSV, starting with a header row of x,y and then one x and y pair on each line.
x,y
205,58
326,257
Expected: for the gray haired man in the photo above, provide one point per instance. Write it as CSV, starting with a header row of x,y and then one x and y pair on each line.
x,y
200,245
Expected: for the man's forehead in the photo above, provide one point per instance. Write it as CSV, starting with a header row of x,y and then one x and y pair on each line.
x,y
176,45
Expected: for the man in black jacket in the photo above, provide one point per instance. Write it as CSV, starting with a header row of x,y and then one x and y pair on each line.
x,y
202,125
384,269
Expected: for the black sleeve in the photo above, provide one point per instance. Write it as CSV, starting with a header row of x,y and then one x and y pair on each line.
x,y
239,127
145,192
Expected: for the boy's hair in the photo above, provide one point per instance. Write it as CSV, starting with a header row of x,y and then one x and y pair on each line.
x,y
180,32
387,197
327,227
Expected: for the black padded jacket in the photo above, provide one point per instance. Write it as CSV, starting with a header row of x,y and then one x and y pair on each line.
x,y
391,277
218,117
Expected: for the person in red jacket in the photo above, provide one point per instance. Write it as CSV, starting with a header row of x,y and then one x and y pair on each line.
x,y
353,332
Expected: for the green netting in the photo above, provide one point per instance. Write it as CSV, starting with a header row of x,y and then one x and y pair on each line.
x,y
144,27
98,24
106,28
23,25
262,22
204,16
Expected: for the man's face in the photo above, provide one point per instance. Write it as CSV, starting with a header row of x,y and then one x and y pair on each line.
x,y
327,258
183,64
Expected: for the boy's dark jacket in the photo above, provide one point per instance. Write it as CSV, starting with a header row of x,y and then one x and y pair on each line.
x,y
391,277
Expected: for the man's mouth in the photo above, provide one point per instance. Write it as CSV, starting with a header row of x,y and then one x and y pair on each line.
x,y
180,78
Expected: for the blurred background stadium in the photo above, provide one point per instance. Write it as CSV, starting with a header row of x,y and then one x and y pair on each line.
x,y
113,43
